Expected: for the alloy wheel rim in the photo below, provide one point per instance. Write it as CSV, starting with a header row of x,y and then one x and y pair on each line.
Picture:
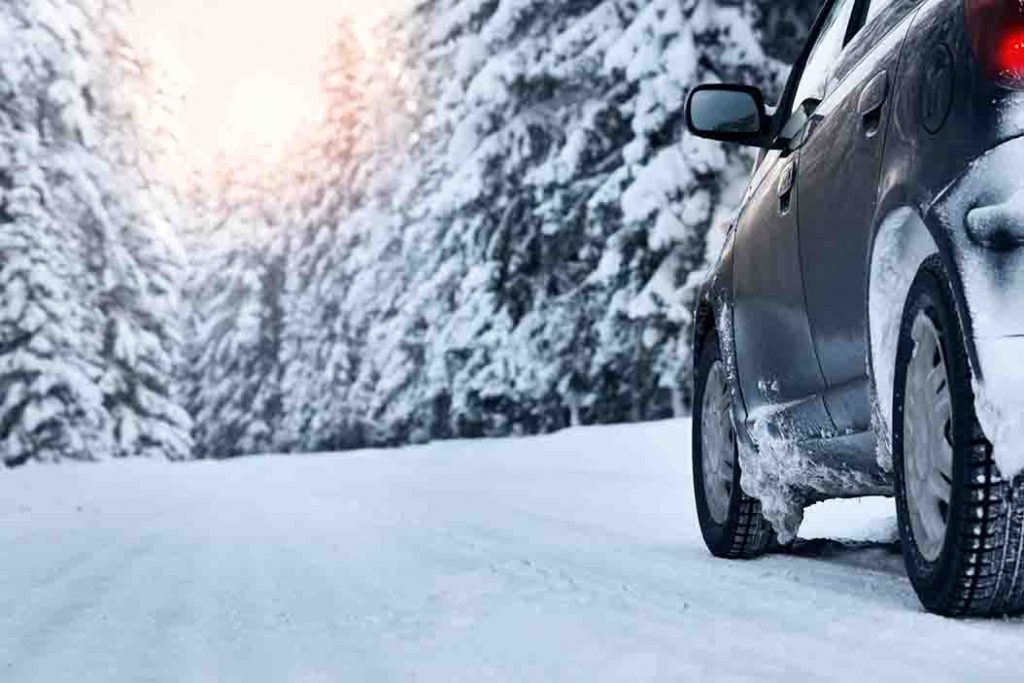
x,y
718,444
927,439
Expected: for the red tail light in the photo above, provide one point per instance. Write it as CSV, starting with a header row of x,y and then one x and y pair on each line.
x,y
996,28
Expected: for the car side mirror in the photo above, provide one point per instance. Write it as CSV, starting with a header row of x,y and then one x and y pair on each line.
x,y
729,113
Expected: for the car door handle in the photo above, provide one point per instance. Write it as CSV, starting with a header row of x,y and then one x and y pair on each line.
x,y
872,103
810,128
787,181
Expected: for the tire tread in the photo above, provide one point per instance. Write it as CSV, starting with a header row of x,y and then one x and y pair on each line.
x,y
754,535
990,544
746,535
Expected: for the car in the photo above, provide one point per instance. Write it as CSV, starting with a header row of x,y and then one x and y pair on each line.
x,y
862,332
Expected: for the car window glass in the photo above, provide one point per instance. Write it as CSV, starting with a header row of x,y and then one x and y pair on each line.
x,y
825,52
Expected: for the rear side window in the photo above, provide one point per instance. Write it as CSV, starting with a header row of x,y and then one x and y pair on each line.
x,y
825,52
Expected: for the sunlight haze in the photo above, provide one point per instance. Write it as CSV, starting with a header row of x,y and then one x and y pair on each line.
x,y
248,72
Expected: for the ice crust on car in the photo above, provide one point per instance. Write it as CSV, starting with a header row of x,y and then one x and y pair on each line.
x,y
775,470
782,474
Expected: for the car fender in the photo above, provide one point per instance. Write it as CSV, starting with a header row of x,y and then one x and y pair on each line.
x,y
901,244
906,237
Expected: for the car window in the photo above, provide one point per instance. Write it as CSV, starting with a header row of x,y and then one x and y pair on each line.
x,y
825,52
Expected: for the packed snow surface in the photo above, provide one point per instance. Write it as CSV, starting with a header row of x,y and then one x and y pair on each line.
x,y
571,557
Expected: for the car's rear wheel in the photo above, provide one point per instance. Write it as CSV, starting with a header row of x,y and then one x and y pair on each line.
x,y
960,523
730,521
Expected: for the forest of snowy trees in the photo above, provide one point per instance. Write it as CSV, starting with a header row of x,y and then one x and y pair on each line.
x,y
496,230
90,326
496,233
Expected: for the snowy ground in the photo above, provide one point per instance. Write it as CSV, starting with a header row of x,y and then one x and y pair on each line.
x,y
574,557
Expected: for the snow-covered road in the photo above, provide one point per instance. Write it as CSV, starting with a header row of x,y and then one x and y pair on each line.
x,y
572,557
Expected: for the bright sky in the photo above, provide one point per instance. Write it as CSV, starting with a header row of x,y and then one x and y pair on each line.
x,y
249,69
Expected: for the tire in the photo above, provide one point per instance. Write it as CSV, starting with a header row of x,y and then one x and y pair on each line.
x,y
973,565
730,521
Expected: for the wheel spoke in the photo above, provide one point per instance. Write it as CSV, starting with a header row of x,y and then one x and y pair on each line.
x,y
935,524
940,487
927,451
943,460
936,378
942,410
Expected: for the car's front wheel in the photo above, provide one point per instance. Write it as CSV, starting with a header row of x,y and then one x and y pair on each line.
x,y
961,523
730,521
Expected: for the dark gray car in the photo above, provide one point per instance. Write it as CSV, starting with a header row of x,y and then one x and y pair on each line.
x,y
863,330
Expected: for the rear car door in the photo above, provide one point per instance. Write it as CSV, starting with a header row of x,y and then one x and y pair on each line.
x,y
840,161
775,355
774,348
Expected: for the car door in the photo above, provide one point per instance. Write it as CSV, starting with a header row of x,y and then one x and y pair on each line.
x,y
774,347
777,363
840,162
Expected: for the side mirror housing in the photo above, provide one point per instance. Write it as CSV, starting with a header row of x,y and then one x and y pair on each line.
x,y
729,113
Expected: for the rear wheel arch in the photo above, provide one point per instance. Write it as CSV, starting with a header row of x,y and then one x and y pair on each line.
x,y
902,244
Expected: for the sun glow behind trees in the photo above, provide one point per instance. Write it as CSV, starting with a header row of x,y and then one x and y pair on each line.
x,y
496,231
248,74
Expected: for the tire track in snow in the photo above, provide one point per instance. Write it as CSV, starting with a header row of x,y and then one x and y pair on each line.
x,y
660,591
61,605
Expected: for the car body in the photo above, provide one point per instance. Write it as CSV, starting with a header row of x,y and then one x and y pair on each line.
x,y
893,145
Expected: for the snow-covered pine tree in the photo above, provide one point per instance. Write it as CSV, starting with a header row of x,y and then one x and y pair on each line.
x,y
317,347
51,404
782,25
141,260
237,267
406,394
89,347
668,192
538,120
346,243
